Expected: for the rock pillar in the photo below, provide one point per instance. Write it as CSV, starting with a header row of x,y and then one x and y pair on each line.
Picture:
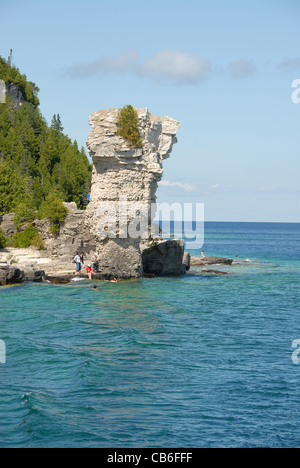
x,y
124,185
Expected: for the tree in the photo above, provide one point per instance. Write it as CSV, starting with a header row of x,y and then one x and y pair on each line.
x,y
36,159
10,58
56,124
53,209
128,125
2,240
13,188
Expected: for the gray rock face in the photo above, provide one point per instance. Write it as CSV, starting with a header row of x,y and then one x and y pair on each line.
x,y
10,275
15,93
7,226
74,235
164,259
187,261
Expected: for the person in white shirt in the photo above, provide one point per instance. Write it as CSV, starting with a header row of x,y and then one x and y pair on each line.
x,y
77,260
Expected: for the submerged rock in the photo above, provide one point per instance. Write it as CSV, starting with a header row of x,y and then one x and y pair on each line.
x,y
201,261
214,272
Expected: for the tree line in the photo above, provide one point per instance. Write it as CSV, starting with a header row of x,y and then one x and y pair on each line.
x,y
39,164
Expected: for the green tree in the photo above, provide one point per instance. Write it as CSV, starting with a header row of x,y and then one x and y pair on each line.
x,y
28,237
2,240
53,209
36,160
128,125
56,124
13,188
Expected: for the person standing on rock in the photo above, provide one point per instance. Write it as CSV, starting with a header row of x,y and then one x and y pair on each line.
x,y
96,265
82,259
77,260
89,271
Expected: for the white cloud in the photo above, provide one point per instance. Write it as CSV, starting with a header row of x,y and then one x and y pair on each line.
x,y
169,66
242,69
185,187
177,67
124,62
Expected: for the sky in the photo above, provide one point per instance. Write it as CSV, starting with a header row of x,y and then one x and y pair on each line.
x,y
224,70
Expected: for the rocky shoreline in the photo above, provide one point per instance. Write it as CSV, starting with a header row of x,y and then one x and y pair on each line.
x,y
117,226
19,266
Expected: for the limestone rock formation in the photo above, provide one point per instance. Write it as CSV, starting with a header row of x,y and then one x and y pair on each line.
x,y
10,275
116,222
74,235
7,225
164,258
124,185
16,94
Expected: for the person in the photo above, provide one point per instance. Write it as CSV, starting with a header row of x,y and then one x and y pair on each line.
x,y
202,254
82,259
96,265
114,280
77,260
88,197
95,287
89,271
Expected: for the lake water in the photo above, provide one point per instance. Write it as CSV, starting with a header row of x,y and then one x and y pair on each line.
x,y
196,361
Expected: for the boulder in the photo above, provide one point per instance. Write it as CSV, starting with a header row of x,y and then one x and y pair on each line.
x,y
164,259
34,276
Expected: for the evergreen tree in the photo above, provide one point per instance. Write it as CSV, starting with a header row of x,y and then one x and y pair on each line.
x,y
36,159
56,124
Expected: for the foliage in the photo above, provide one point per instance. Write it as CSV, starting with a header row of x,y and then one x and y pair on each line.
x,y
128,125
25,212
2,240
11,74
53,209
28,237
36,159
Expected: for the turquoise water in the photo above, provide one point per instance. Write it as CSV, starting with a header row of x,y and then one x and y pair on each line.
x,y
197,361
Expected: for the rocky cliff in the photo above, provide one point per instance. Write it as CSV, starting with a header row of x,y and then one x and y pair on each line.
x,y
124,185
116,225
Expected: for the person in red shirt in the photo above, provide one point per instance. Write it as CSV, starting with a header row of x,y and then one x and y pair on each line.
x,y
89,271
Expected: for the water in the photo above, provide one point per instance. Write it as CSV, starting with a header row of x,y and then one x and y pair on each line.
x,y
198,361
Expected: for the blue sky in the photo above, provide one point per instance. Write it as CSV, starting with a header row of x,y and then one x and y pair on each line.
x,y
223,69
